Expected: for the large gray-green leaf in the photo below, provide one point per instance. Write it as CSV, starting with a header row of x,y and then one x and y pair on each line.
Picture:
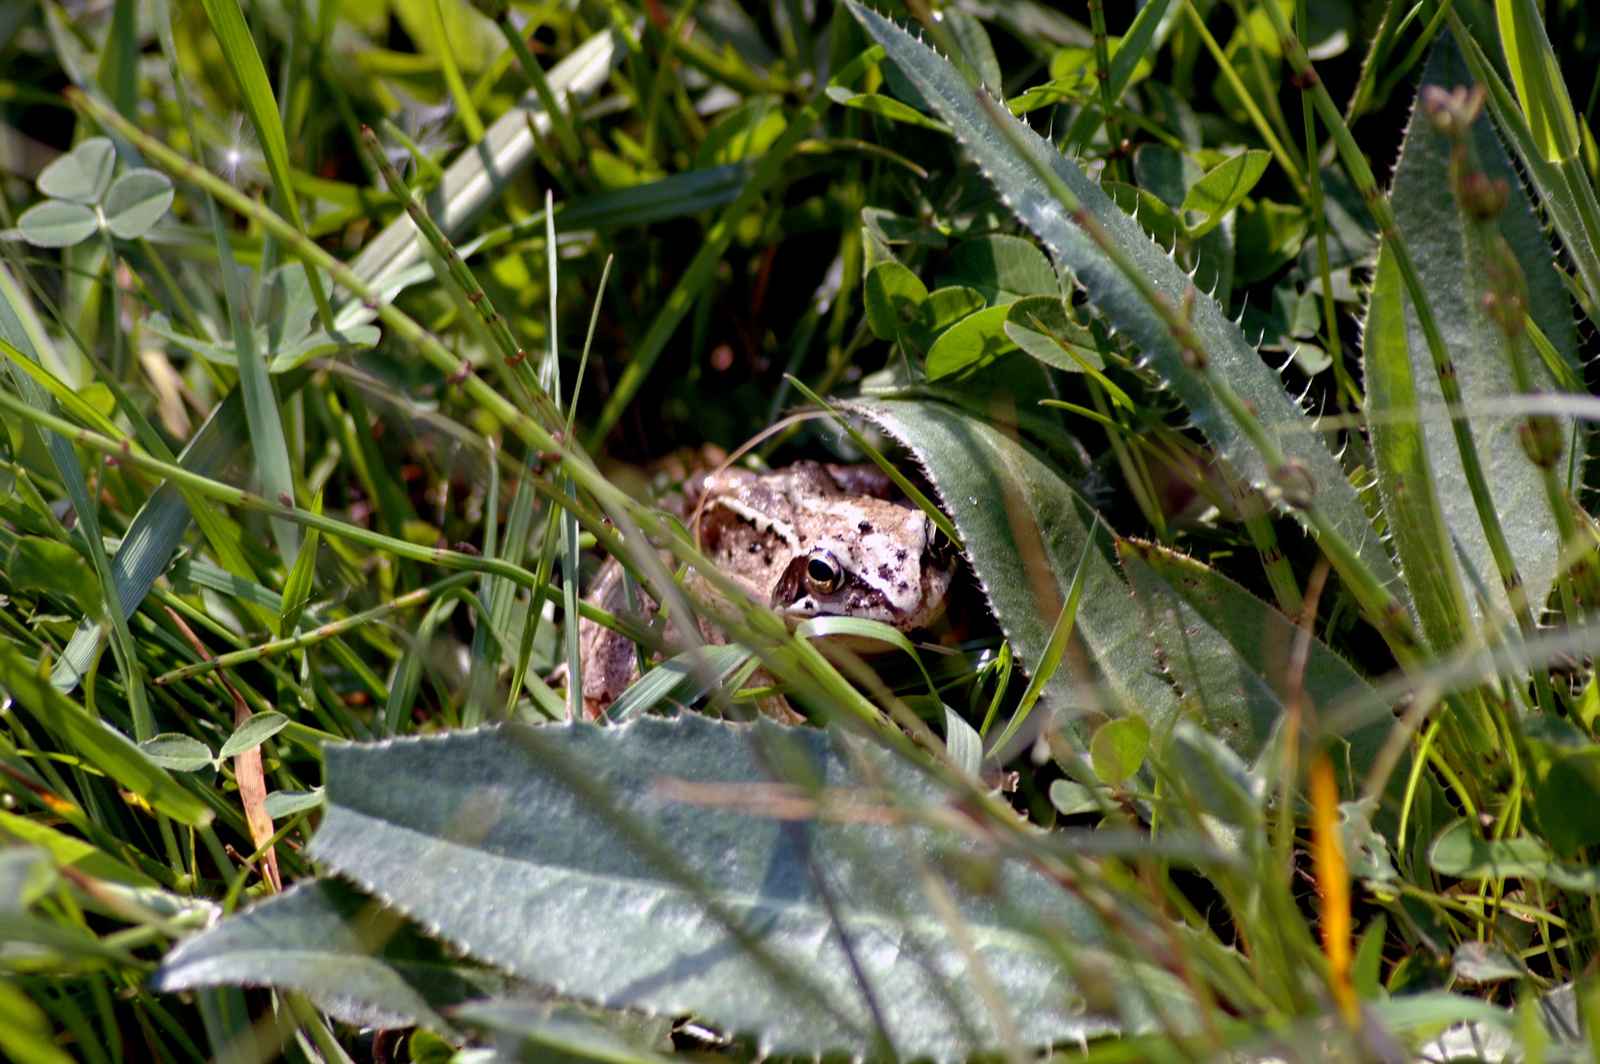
x,y
1231,357
656,865
57,224
1024,530
1453,276
1229,654
361,961
1406,482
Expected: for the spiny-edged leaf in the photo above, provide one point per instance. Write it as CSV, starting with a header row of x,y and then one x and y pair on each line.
x,y
884,107
57,224
1025,530
1405,475
96,741
1229,654
1042,326
976,49
970,344
255,730
893,296
1154,216
136,202
81,175
177,752
325,938
1224,188
1117,749
637,876
1453,275
1001,266
1014,176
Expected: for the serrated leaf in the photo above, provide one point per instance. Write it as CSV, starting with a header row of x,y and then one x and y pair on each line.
x,y
178,752
628,867
1405,477
362,961
1117,749
136,202
57,224
1002,267
970,344
1024,530
1224,188
1015,178
1451,271
83,174
1228,652
1153,216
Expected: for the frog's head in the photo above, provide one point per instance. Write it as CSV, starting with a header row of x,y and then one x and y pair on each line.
x,y
868,558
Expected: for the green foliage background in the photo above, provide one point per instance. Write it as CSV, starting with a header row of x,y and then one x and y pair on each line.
x,y
1246,365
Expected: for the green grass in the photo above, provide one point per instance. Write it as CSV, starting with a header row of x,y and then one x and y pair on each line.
x,y
1246,369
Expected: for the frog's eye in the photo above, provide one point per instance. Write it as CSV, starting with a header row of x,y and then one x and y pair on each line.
x,y
824,574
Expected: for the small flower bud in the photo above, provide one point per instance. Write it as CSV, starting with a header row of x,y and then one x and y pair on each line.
x,y
1452,112
1541,440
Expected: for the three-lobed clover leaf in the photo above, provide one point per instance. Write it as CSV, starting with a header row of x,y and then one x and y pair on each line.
x,y
83,198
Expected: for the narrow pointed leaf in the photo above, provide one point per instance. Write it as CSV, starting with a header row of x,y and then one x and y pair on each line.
x,y
1013,176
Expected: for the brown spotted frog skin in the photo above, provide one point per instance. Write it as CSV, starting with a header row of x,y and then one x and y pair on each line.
x,y
810,540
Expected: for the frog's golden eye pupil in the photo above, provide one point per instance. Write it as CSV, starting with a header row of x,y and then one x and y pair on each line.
x,y
823,573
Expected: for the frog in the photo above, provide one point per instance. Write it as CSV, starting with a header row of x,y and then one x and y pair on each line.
x,y
810,540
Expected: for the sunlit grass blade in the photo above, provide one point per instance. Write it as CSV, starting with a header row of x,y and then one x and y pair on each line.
x,y
255,92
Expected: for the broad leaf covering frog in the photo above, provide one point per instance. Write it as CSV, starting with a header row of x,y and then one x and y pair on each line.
x,y
810,540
